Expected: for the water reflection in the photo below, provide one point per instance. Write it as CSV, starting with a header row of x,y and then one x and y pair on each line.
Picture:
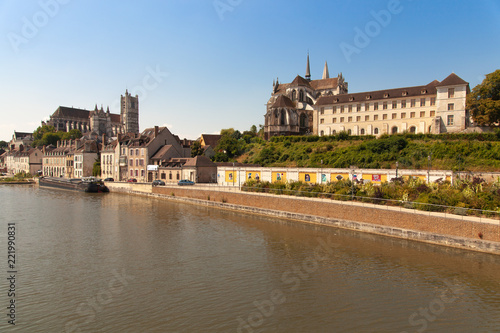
x,y
198,269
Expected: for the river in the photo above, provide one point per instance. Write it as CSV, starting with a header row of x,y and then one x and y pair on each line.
x,y
121,263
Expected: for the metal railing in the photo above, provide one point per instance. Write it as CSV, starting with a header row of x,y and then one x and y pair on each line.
x,y
388,203
381,203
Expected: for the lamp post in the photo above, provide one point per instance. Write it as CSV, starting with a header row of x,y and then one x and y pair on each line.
x,y
234,176
397,165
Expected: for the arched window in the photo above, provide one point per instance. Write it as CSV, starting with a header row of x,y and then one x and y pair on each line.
x,y
394,130
413,129
294,95
301,96
283,117
303,120
334,132
349,132
362,132
322,133
375,131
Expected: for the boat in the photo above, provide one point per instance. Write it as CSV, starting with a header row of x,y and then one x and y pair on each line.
x,y
88,184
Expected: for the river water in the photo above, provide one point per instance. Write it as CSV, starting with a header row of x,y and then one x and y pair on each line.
x,y
120,263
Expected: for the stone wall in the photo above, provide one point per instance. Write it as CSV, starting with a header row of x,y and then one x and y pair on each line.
x,y
464,232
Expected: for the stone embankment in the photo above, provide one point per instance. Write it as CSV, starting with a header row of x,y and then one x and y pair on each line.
x,y
472,233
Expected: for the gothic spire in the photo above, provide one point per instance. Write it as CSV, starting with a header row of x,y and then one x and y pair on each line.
x,y
326,74
308,70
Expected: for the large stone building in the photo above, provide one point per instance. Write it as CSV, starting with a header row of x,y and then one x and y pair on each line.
x,y
324,107
99,121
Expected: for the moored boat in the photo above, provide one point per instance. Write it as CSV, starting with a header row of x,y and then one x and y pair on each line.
x,y
89,184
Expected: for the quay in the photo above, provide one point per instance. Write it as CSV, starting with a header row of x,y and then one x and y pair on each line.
x,y
465,232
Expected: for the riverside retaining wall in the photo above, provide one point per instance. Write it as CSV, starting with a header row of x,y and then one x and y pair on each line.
x,y
450,230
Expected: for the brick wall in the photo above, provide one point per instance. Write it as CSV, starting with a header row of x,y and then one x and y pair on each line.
x,y
384,216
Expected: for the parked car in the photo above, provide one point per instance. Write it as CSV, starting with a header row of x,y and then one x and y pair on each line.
x,y
132,180
109,180
158,182
185,182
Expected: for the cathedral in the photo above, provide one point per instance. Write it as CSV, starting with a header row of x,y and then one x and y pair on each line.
x,y
290,110
98,121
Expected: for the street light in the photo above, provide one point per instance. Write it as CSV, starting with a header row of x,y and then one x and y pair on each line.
x,y
234,177
397,165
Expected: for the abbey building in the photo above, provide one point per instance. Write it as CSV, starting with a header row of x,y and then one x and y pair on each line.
x,y
99,121
324,107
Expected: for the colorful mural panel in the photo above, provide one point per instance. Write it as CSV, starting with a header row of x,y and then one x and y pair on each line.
x,y
255,175
307,177
279,176
230,177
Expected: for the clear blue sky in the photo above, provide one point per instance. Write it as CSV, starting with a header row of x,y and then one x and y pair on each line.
x,y
215,67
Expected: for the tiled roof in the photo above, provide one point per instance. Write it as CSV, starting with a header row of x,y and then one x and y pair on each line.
x,y
63,112
388,94
325,84
300,81
451,80
211,139
162,152
200,161
283,102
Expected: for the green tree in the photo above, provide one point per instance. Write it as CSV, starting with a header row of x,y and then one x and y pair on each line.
x,y
196,149
484,100
41,130
3,144
96,169
50,139
39,133
71,135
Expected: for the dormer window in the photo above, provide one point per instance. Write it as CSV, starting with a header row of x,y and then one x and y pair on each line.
x,y
424,91
351,99
386,95
368,96
405,93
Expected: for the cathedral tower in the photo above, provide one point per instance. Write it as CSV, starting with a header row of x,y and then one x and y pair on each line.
x,y
129,113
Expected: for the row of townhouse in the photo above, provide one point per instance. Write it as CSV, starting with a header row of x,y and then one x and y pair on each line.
x,y
70,159
23,160
130,156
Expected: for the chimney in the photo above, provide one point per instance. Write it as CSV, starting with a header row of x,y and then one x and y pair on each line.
x,y
103,139
77,143
43,149
118,137
156,131
58,144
